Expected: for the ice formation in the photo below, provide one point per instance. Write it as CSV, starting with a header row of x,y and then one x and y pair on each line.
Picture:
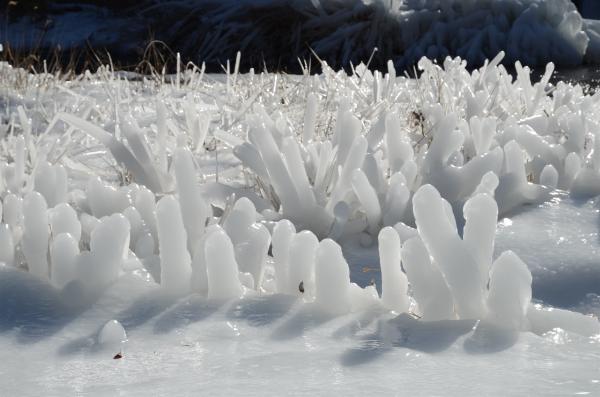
x,y
175,268
222,269
260,197
332,278
35,234
394,290
509,292
112,336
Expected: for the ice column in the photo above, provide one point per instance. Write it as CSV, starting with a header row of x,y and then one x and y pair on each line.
x,y
175,268
221,267
427,282
332,278
368,198
63,256
302,261
481,216
283,233
252,254
510,292
36,234
7,246
109,244
193,208
63,219
394,285
462,273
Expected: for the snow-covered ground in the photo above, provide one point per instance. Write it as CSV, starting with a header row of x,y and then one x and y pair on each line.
x,y
265,234
271,345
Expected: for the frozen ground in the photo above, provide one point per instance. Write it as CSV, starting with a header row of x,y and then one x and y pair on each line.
x,y
268,234
269,346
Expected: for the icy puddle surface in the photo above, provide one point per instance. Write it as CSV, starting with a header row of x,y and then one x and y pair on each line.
x,y
279,345
560,243
272,346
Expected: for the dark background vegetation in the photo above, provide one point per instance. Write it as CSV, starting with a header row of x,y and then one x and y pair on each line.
x,y
155,29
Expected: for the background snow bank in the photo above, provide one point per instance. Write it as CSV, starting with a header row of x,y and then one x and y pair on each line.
x,y
277,33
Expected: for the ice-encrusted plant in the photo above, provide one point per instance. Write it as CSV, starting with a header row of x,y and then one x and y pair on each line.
x,y
362,176
340,156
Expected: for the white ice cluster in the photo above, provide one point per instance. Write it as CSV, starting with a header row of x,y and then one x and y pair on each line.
x,y
462,133
299,166
532,31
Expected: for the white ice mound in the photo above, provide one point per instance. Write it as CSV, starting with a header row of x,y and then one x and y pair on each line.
x,y
283,233
509,292
63,255
332,278
193,208
533,31
462,273
36,233
221,267
63,219
175,261
112,336
394,285
428,285
499,292
303,250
